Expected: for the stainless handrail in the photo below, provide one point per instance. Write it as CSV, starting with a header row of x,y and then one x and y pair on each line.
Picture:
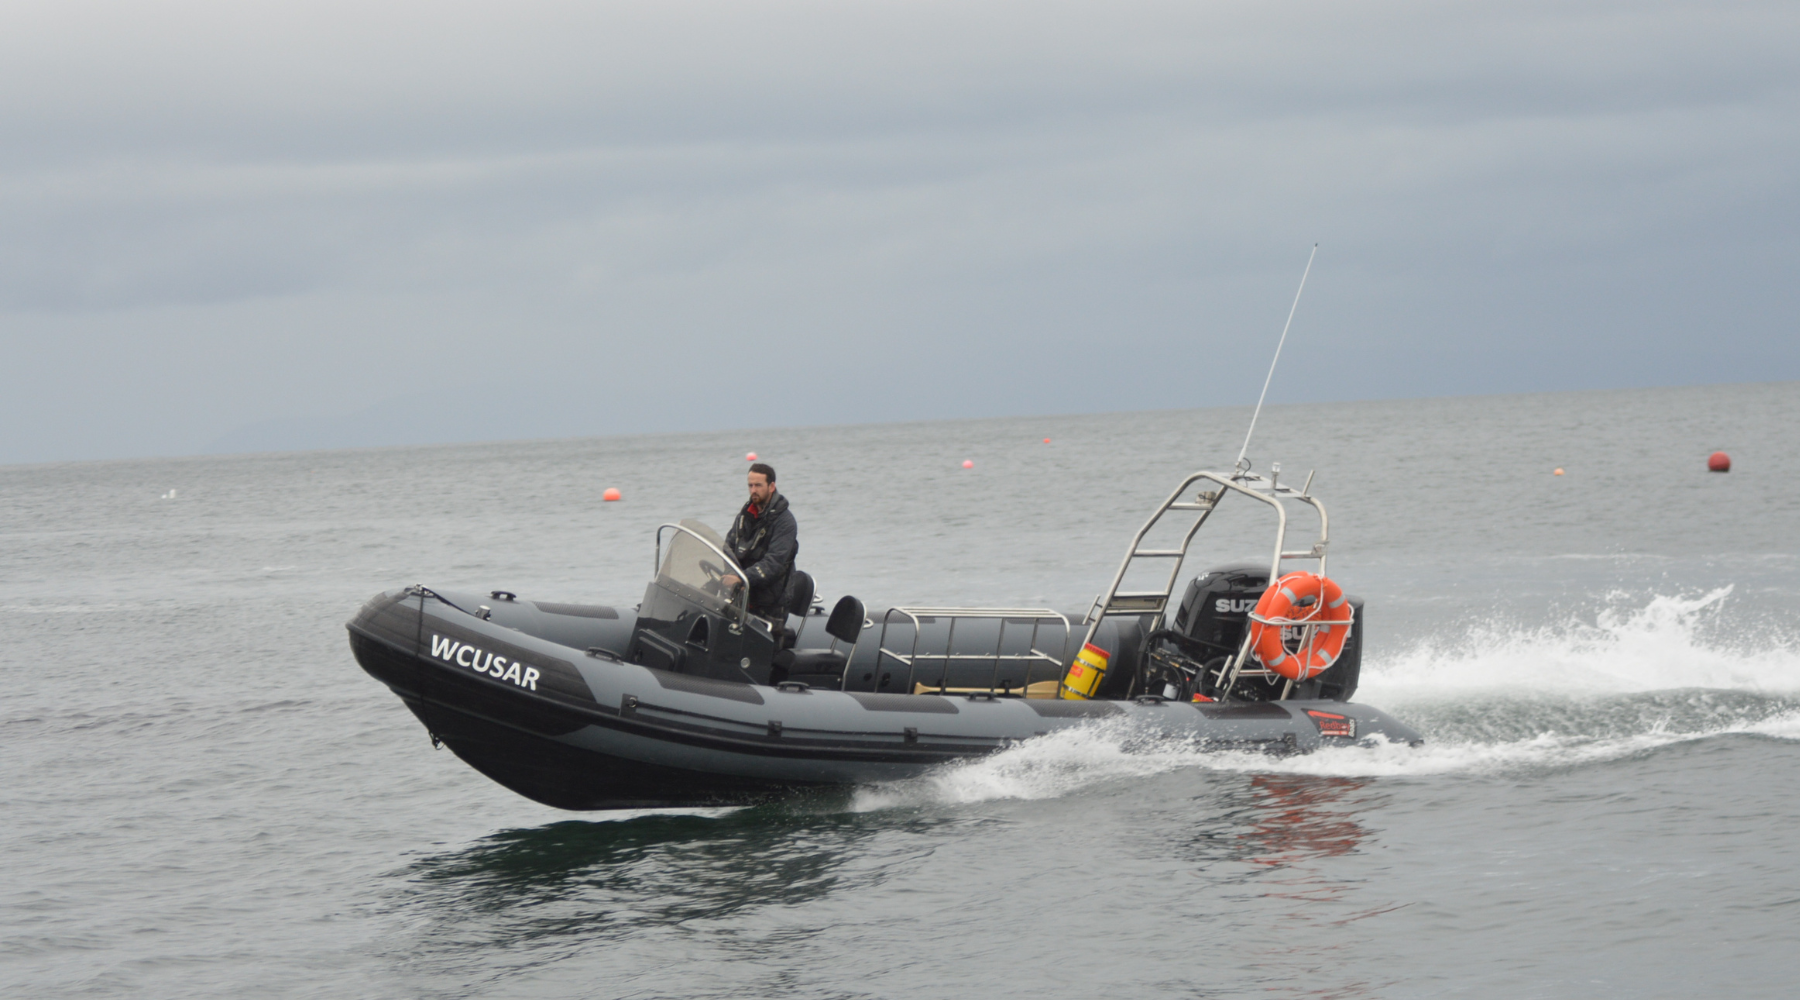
x,y
911,658
1268,491
742,598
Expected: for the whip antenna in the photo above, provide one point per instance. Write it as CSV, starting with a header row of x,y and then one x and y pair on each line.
x,y
1240,466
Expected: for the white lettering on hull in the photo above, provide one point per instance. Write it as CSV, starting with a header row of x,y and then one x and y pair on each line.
x,y
483,662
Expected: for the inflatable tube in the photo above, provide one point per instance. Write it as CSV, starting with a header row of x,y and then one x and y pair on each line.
x,y
540,698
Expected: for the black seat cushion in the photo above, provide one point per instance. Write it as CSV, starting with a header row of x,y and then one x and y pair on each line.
x,y
799,596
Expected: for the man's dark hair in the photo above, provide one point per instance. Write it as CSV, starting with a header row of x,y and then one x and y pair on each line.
x,y
767,470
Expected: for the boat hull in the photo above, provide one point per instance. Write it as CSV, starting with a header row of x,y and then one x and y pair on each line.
x,y
579,729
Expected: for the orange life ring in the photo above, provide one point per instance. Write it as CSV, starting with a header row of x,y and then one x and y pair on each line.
x,y
1324,620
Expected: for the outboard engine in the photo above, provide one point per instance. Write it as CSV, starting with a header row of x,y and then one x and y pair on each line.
x,y
1215,611
1191,656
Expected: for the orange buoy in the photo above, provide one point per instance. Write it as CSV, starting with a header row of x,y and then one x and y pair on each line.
x,y
1046,440
1719,462
611,493
1313,606
967,464
1558,472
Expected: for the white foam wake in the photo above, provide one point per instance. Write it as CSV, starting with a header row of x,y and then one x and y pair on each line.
x,y
1670,642
1070,761
1047,767
1630,680
1537,752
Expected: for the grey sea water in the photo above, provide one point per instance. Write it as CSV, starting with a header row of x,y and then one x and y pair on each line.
x,y
204,796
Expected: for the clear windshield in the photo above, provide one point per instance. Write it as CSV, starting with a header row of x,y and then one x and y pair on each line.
x,y
694,568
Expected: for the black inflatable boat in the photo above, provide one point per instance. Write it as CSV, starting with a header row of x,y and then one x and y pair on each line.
x,y
691,700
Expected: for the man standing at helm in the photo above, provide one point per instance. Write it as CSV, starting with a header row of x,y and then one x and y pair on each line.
x,y
764,540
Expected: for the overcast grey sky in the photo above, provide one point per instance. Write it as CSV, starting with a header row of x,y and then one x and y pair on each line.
x,y
245,225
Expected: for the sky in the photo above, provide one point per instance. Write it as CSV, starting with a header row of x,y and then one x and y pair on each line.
x,y
247,226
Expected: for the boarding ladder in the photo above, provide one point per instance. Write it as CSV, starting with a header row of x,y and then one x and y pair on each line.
x,y
1113,602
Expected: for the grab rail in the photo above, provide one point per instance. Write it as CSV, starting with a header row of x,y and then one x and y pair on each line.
x,y
1031,658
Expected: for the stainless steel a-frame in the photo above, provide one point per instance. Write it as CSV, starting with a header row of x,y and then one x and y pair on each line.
x,y
1113,602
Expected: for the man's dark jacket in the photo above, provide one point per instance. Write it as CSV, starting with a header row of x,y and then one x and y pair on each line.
x,y
764,544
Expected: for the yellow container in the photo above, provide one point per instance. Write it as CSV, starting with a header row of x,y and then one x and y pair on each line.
x,y
1083,678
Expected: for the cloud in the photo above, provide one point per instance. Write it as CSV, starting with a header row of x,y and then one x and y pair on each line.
x,y
252,213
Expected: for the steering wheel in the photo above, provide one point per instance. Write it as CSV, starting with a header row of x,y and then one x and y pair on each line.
x,y
715,577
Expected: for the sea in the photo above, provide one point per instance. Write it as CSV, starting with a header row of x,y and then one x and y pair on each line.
x,y
204,796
